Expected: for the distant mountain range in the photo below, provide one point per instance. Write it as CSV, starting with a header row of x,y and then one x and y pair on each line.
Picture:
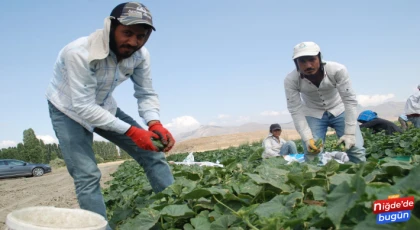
x,y
212,130
388,110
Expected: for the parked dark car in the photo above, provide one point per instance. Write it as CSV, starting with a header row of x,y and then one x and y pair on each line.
x,y
16,168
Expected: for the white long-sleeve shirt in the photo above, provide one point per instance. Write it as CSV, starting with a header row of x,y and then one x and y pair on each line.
x,y
412,106
87,72
334,95
272,146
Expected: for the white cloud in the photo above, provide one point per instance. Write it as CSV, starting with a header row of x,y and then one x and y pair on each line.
x,y
47,139
369,100
285,112
243,119
182,124
223,116
270,113
7,143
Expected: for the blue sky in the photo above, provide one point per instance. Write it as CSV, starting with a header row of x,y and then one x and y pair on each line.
x,y
215,62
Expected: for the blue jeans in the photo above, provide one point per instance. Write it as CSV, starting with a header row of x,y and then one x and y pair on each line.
x,y
415,121
319,129
288,148
76,146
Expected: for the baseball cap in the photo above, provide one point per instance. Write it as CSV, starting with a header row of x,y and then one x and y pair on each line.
x,y
274,127
366,116
306,49
131,13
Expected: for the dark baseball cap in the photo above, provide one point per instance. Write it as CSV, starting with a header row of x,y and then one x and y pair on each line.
x,y
274,127
131,13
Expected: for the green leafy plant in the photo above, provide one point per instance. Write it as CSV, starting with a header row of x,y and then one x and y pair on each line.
x,y
254,193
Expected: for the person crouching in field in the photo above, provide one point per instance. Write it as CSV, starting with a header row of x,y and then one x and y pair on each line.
x,y
369,119
274,145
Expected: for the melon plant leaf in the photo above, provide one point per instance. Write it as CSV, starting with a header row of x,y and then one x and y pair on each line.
x,y
177,210
343,198
145,220
318,192
223,222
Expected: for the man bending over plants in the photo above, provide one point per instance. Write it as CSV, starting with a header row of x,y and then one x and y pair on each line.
x,y
319,95
370,120
80,102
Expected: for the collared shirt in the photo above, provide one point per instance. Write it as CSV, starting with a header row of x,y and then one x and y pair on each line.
x,y
272,146
86,73
334,95
412,106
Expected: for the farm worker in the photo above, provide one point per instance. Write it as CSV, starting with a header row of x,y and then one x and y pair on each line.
x,y
412,108
274,145
80,101
370,119
403,121
319,95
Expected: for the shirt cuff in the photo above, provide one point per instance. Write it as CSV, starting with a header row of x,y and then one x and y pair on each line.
x,y
306,135
150,116
120,126
350,130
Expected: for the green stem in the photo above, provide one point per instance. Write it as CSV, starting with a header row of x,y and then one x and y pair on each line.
x,y
233,211
264,193
236,214
256,196
303,192
328,184
249,224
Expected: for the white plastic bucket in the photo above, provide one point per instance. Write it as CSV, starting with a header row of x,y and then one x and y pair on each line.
x,y
52,218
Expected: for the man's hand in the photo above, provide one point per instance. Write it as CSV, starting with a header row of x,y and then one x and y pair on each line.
x,y
164,134
142,138
348,139
311,147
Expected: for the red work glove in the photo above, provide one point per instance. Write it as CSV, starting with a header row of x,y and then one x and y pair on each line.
x,y
142,138
165,136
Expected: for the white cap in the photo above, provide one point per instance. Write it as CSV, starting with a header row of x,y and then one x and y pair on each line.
x,y
306,49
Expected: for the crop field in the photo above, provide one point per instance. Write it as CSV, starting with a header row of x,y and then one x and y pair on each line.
x,y
254,193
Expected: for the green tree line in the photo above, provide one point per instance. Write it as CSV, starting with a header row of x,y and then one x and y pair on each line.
x,y
34,150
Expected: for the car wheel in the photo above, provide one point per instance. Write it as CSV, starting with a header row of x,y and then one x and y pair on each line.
x,y
38,172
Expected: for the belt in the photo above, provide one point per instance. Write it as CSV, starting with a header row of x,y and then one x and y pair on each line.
x,y
413,115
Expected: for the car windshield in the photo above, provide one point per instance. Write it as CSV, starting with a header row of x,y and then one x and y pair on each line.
x,y
14,162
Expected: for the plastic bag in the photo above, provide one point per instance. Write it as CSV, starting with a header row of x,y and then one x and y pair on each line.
x,y
298,157
189,158
340,157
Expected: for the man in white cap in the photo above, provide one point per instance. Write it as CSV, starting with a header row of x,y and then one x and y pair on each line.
x,y
319,95
80,102
412,108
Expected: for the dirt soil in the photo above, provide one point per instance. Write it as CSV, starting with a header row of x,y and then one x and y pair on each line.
x,y
52,189
226,141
